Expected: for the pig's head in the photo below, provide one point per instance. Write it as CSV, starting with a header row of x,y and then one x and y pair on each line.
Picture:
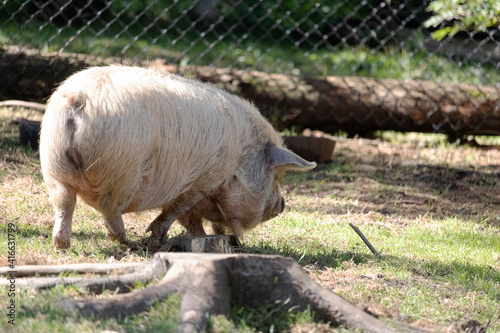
x,y
253,194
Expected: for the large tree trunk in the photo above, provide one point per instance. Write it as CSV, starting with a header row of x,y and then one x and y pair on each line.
x,y
352,104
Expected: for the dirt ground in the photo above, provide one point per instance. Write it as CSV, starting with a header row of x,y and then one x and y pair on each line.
x,y
408,181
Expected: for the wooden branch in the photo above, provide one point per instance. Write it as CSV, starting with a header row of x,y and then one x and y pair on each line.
x,y
365,240
144,273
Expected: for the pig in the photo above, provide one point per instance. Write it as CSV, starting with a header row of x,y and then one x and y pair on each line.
x,y
128,139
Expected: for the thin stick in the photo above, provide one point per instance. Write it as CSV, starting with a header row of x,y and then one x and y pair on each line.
x,y
360,234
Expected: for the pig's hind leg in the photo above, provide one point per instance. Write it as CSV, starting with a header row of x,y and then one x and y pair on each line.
x,y
115,229
159,229
64,201
218,228
193,223
112,214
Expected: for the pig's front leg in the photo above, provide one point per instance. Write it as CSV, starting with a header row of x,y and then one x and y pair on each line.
x,y
115,229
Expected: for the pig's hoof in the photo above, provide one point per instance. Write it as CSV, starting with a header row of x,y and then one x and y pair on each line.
x,y
60,243
122,238
123,241
153,243
158,237
160,232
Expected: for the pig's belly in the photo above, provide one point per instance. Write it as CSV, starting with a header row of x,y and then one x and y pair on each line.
x,y
134,203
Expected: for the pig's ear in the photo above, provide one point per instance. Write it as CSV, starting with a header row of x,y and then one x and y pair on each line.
x,y
284,160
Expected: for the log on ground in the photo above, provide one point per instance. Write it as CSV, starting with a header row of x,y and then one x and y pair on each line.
x,y
352,104
359,105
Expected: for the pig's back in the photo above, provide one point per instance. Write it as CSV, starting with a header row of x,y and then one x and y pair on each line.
x,y
135,139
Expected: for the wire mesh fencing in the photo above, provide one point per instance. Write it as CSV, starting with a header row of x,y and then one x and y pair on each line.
x,y
356,66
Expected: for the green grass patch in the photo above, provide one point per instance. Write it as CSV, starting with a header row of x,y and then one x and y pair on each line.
x,y
250,52
445,269
39,312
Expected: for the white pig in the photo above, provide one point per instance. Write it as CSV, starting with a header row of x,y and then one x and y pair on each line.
x,y
127,139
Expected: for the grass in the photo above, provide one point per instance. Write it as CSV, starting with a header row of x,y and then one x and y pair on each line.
x,y
40,313
428,206
249,52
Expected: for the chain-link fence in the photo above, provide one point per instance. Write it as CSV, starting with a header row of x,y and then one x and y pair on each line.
x,y
357,65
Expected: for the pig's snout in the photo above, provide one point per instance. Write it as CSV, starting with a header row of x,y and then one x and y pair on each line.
x,y
278,208
273,210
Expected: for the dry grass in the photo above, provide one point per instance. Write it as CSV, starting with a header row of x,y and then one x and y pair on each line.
x,y
399,183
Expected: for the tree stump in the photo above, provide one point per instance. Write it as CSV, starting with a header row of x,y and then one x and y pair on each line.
x,y
208,284
203,244
311,148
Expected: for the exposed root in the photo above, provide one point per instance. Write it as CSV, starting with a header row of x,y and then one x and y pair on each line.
x,y
134,273
210,283
44,270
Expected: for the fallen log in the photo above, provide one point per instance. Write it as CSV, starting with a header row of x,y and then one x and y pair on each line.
x,y
359,105
353,104
211,283
29,74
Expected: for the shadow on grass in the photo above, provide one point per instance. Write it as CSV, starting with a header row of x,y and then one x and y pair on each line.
x,y
467,274
484,279
23,230
333,258
470,277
